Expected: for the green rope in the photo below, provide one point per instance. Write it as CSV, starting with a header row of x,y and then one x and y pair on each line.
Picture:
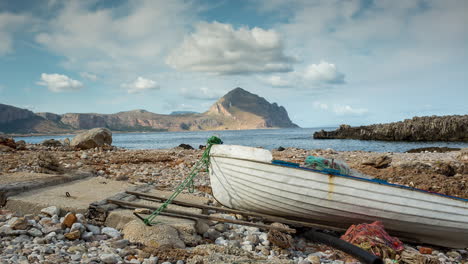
x,y
203,162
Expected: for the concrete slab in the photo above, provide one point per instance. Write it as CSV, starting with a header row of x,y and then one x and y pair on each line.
x,y
82,193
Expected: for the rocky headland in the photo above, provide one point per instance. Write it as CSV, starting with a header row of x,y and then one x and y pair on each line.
x,y
238,109
428,128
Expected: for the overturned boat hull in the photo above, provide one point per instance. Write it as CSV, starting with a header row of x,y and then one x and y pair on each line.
x,y
244,178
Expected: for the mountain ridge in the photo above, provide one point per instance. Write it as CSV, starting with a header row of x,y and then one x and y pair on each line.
x,y
238,109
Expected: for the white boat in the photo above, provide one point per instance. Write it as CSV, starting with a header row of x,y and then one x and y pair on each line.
x,y
245,178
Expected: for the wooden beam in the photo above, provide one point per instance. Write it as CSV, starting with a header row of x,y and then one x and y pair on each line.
x,y
269,218
200,216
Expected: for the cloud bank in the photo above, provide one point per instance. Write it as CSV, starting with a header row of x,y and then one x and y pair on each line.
x,y
221,49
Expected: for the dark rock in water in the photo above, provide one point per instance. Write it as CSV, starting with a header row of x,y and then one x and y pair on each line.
x,y
201,147
185,146
428,128
280,149
432,149
51,143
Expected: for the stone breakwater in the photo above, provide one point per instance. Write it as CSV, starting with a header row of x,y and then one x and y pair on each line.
x,y
429,128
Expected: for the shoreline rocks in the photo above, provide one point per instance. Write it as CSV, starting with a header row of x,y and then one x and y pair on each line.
x,y
427,128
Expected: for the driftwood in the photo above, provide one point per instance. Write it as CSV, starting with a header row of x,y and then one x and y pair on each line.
x,y
265,217
200,216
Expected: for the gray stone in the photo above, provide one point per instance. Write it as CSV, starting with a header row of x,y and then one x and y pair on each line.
x,y
78,226
109,258
111,232
95,229
212,234
34,232
51,211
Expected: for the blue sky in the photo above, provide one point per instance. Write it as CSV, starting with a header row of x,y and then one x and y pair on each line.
x,y
328,62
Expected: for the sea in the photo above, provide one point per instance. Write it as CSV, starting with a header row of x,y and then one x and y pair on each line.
x,y
266,138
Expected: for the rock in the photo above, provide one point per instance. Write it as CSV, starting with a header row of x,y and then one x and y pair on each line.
x,y
280,149
35,232
220,227
425,250
379,162
463,155
109,258
87,236
51,211
313,259
95,229
455,255
152,236
51,143
111,232
93,138
73,235
20,145
212,234
122,243
66,142
4,148
201,226
185,146
444,169
6,141
278,238
20,223
78,226
52,228
69,220
428,128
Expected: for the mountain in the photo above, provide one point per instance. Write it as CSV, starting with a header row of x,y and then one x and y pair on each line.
x,y
238,109
426,128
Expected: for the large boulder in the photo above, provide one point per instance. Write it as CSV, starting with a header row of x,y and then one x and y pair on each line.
x,y
157,236
96,137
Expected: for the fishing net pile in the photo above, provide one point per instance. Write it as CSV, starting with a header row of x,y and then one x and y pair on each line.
x,y
374,238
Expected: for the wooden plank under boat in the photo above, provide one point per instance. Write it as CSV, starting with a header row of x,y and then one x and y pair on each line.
x,y
245,178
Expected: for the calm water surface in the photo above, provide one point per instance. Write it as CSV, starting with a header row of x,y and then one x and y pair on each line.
x,y
267,138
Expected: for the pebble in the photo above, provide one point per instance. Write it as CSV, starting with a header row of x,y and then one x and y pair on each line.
x,y
111,232
51,211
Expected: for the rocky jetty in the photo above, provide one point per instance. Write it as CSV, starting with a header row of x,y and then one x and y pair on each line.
x,y
428,128
238,109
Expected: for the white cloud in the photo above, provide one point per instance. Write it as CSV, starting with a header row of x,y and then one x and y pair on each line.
x,y
202,93
140,85
9,24
89,76
128,38
276,81
319,105
324,72
221,49
339,110
59,83
348,110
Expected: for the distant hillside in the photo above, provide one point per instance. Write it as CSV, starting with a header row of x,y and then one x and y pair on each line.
x,y
183,112
427,128
238,109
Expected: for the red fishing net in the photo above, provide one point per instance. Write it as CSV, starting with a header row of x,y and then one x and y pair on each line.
x,y
373,238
